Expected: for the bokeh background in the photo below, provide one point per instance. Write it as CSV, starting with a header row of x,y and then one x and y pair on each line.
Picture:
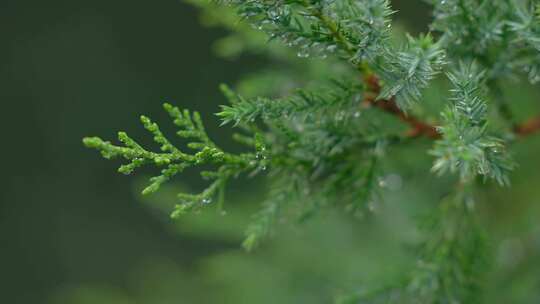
x,y
72,230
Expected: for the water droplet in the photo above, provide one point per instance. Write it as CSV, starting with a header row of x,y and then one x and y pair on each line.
x,y
331,48
206,201
340,116
372,206
303,54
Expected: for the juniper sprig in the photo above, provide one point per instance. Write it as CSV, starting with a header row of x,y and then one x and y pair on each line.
x,y
324,145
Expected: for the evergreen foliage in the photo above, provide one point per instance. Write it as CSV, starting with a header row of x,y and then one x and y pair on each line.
x,y
323,145
466,145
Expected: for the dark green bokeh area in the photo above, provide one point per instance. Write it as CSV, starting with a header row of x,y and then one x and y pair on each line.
x,y
77,68
73,231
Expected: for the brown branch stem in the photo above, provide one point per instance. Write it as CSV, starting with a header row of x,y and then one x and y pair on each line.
x,y
419,128
528,127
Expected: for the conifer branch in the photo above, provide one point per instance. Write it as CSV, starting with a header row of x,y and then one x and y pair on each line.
x,y
467,146
418,128
453,257
174,161
332,27
317,148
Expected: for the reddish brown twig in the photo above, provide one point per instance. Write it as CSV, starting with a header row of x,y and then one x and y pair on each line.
x,y
423,129
418,127
528,127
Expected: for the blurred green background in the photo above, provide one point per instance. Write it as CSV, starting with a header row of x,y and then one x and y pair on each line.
x,y
74,231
